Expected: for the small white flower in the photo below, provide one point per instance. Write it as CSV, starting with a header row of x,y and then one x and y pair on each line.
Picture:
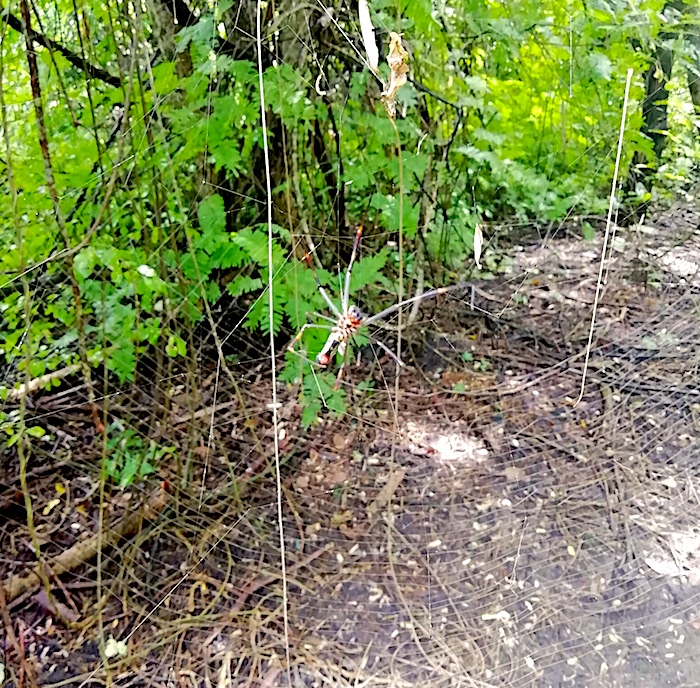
x,y
115,648
146,271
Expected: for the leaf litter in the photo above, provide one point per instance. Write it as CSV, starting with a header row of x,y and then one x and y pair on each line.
x,y
514,539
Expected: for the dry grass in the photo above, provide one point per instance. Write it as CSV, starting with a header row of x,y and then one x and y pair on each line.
x,y
515,539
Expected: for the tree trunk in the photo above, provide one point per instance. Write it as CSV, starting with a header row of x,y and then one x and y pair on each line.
x,y
693,68
655,106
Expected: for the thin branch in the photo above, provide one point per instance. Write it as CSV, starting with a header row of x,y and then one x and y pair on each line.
x,y
270,287
39,382
53,193
607,234
91,70
433,94
84,550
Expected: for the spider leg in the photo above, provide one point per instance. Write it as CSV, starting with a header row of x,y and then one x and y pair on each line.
x,y
387,350
348,272
300,334
432,293
320,288
335,342
321,316
343,365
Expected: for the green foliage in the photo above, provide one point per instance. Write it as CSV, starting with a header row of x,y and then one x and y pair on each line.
x,y
319,393
512,114
10,425
587,231
130,458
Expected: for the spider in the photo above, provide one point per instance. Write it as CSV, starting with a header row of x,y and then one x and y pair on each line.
x,y
349,318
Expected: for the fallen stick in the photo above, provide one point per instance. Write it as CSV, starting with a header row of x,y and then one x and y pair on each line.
x,y
178,420
386,494
38,382
85,550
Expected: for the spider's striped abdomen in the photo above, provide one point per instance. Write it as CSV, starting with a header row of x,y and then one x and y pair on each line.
x,y
340,335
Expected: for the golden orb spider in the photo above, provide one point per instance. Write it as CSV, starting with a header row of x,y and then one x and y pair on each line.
x,y
349,318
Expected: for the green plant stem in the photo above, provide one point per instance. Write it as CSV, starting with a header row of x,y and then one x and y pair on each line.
x,y
397,388
53,193
22,451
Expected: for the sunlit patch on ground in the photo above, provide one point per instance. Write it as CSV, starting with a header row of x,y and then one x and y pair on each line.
x,y
447,443
682,262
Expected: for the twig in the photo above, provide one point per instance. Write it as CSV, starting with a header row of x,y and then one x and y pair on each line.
x,y
85,550
259,583
39,382
386,494
202,413
434,94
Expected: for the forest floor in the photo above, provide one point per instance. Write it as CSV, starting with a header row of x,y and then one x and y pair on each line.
x,y
493,533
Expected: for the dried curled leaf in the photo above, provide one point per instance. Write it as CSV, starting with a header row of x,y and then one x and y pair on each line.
x,y
397,59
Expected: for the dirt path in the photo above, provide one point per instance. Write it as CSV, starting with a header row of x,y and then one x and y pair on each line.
x,y
505,537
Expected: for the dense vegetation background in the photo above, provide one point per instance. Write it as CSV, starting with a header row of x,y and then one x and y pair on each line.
x,y
164,522
133,219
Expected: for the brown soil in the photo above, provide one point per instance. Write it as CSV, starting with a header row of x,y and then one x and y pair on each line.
x,y
496,534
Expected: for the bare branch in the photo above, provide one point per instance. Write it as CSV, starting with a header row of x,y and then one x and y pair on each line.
x,y
39,38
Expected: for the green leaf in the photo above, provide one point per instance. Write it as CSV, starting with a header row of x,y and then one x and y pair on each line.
x,y
320,387
254,243
309,414
601,65
200,34
164,78
212,221
35,431
222,7
367,270
243,284
227,255
176,346
84,263
131,466
227,154
122,360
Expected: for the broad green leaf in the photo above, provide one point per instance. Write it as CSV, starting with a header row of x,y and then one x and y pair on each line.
x,y
84,263
601,65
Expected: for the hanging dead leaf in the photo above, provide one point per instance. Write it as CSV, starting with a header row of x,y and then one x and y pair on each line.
x,y
397,59
368,35
478,245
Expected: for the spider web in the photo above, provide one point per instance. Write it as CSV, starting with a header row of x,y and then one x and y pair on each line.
x,y
511,540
